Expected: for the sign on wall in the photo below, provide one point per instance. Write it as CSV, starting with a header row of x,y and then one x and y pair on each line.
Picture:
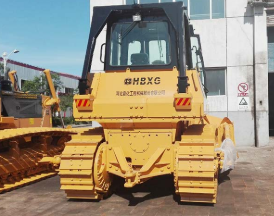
x,y
243,96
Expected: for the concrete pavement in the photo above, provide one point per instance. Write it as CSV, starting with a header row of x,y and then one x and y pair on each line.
x,y
249,190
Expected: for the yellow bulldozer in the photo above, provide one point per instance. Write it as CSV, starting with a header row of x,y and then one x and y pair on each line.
x,y
150,103
28,143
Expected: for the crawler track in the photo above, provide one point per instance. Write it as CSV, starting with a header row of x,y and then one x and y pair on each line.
x,y
21,151
76,168
196,173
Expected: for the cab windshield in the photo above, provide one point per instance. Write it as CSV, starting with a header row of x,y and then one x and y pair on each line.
x,y
140,43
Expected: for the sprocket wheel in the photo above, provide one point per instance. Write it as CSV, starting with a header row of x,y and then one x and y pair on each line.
x,y
102,178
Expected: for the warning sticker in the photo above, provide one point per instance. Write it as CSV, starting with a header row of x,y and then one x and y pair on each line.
x,y
243,103
243,96
243,87
243,90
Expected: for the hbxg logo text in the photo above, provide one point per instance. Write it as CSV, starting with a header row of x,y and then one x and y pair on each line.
x,y
143,81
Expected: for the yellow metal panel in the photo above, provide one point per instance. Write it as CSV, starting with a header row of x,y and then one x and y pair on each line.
x,y
198,184
76,172
152,159
190,165
78,187
121,159
195,173
199,190
31,121
139,146
113,85
196,148
73,181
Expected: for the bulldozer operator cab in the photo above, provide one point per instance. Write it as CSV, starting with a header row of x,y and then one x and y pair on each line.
x,y
149,37
142,43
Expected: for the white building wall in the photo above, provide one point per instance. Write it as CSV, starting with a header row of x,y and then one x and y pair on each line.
x,y
213,39
229,43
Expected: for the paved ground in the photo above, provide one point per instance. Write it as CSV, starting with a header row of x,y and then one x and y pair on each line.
x,y
249,190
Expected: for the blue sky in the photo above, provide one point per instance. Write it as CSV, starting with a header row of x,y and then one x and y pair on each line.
x,y
49,33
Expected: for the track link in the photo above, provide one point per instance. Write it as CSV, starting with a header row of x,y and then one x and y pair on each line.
x,y
26,181
76,168
21,151
196,173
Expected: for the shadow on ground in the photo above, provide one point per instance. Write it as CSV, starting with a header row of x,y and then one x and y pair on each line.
x,y
157,187
154,188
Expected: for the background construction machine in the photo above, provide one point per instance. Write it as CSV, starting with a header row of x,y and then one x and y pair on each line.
x,y
28,143
150,102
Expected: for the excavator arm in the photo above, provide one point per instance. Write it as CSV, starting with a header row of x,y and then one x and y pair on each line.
x,y
54,100
14,79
